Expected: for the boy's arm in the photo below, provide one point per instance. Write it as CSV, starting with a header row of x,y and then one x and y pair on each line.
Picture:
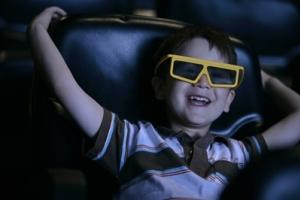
x,y
84,110
287,131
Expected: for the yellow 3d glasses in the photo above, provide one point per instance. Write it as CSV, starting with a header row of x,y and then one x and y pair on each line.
x,y
190,70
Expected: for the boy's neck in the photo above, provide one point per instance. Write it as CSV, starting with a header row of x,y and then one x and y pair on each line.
x,y
193,132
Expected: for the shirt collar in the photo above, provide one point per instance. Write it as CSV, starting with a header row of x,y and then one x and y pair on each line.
x,y
167,132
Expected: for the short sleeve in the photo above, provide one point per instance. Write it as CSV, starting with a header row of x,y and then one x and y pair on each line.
x,y
255,146
107,149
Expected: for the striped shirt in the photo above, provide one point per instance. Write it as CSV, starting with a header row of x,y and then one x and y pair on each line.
x,y
156,163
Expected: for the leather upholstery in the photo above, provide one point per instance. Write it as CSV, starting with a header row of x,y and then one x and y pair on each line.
x,y
110,58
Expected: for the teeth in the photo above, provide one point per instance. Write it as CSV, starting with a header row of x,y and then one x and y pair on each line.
x,y
202,99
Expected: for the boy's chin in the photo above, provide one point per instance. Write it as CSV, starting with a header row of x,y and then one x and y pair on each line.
x,y
198,123
202,118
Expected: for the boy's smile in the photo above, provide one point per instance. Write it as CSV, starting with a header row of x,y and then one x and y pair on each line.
x,y
198,100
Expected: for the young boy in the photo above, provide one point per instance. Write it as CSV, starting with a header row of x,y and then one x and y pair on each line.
x,y
195,77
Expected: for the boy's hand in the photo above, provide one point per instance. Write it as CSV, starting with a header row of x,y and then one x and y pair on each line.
x,y
47,16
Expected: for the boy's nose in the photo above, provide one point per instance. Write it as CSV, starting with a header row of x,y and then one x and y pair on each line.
x,y
203,82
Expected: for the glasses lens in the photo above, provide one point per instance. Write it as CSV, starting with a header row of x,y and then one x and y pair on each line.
x,y
187,70
221,76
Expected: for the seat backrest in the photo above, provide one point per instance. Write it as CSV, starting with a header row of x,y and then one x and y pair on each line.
x,y
110,58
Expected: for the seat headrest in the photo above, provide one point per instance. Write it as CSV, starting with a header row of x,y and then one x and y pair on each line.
x,y
111,58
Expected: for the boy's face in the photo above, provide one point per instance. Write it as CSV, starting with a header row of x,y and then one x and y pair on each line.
x,y
195,105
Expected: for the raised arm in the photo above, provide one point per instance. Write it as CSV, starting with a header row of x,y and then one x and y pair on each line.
x,y
287,131
84,110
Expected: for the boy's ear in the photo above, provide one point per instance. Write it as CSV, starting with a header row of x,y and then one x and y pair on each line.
x,y
158,85
229,100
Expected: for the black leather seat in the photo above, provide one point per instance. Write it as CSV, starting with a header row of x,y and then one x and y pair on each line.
x,y
111,59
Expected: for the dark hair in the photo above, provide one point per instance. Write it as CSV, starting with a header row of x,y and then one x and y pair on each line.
x,y
215,38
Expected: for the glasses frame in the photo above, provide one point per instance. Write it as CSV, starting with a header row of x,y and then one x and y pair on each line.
x,y
205,63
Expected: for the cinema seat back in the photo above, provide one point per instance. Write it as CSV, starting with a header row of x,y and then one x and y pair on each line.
x,y
111,59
